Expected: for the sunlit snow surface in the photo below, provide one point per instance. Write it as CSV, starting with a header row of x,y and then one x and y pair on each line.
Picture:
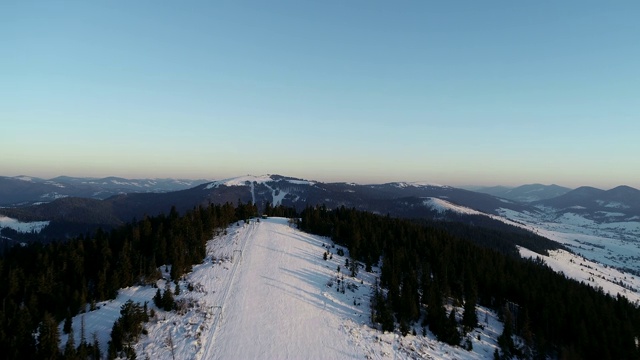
x,y
264,291
442,206
22,227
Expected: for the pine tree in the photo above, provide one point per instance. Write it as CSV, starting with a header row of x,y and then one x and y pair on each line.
x,y
168,303
96,347
70,347
67,324
505,340
157,299
48,339
469,316
452,334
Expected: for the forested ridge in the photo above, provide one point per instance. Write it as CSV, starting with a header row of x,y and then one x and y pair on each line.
x,y
424,267
46,283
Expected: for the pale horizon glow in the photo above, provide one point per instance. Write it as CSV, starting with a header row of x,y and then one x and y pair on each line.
x,y
456,93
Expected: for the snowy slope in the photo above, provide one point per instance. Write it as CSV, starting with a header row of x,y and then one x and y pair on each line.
x,y
252,179
612,244
278,304
602,250
22,227
443,206
611,280
264,291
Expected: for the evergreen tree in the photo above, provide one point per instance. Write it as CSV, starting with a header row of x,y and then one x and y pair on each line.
x,y
168,302
451,335
505,340
48,338
70,347
66,328
157,299
469,316
96,354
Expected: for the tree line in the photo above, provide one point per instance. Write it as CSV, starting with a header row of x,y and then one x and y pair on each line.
x,y
44,284
425,267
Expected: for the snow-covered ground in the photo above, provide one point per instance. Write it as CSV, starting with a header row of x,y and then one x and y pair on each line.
x,y
264,291
22,227
442,206
602,250
614,244
611,280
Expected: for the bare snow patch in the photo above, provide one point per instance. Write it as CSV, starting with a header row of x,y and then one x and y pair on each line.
x,y
442,206
22,227
610,214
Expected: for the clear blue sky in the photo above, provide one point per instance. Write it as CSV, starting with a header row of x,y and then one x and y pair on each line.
x,y
455,92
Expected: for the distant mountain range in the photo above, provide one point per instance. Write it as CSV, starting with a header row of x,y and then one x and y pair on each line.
x,y
618,204
27,190
525,193
83,204
407,200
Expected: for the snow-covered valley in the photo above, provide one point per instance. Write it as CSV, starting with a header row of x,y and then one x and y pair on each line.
x,y
603,254
613,243
265,291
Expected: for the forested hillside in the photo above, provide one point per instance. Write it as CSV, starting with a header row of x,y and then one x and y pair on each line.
x,y
424,268
44,284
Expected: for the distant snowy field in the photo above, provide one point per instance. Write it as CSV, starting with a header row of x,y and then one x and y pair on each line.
x,y
614,244
264,291
602,250
22,227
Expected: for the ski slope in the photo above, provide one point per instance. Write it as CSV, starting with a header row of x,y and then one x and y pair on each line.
x,y
276,307
261,293
264,291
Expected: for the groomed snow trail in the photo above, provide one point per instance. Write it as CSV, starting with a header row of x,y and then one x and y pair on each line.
x,y
218,315
276,306
265,292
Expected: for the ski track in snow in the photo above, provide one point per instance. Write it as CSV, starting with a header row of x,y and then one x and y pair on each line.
x,y
276,199
237,259
278,305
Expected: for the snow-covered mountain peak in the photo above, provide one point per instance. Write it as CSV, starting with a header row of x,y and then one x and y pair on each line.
x,y
252,179
417,184
24,178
